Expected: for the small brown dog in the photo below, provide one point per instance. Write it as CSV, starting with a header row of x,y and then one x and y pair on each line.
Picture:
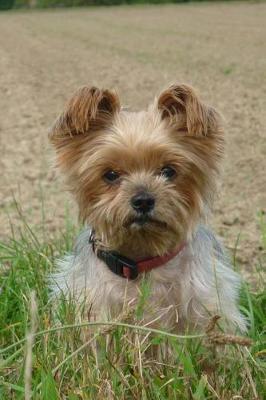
x,y
145,182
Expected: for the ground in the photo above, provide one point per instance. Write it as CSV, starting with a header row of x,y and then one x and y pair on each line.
x,y
218,48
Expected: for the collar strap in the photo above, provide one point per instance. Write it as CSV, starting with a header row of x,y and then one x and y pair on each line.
x,y
130,269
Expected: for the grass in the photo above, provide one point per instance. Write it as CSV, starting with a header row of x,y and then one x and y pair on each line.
x,y
43,354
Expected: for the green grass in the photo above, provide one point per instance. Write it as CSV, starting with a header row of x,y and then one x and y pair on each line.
x,y
117,360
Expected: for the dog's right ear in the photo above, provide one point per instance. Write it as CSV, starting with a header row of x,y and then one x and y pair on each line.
x,y
88,110
180,105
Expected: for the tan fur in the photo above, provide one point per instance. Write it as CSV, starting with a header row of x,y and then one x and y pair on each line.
x,y
94,135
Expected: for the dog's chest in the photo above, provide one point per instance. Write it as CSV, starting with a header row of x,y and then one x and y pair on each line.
x,y
156,295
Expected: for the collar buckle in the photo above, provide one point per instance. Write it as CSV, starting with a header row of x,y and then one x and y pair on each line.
x,y
120,265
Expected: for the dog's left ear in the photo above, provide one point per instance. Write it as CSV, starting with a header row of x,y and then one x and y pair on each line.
x,y
180,105
88,110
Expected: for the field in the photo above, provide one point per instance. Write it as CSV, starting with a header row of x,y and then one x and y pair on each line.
x,y
44,56
219,48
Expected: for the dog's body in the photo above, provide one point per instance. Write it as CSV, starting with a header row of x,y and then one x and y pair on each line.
x,y
144,183
196,284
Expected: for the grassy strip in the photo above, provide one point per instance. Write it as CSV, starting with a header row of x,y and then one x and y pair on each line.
x,y
118,361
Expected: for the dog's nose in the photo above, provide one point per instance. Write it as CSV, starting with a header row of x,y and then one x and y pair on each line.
x,y
143,202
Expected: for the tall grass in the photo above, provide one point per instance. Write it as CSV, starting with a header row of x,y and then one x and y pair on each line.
x,y
48,353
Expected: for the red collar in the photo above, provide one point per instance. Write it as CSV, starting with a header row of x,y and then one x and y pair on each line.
x,y
154,262
127,268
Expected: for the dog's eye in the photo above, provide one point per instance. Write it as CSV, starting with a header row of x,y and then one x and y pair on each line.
x,y
111,176
168,172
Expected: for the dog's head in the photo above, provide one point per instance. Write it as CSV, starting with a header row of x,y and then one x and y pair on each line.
x,y
142,180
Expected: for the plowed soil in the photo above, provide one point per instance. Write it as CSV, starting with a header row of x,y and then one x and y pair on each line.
x,y
218,48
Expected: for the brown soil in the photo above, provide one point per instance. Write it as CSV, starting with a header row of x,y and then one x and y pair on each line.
x,y
46,55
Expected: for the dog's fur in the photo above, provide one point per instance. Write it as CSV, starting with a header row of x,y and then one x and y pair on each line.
x,y
94,135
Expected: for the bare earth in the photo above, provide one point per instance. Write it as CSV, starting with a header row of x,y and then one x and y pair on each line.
x,y
218,48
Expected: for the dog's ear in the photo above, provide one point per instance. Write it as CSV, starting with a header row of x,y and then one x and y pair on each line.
x,y
88,110
180,105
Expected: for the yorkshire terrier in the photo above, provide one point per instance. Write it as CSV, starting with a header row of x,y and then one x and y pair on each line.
x,y
144,183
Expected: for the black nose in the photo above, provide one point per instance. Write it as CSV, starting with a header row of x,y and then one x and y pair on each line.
x,y
143,202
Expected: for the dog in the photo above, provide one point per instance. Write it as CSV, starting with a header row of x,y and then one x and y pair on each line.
x,y
145,183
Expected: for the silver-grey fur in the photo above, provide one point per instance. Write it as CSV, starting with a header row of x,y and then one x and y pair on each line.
x,y
184,293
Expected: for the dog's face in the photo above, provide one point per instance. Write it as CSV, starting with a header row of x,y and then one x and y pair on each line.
x,y
142,180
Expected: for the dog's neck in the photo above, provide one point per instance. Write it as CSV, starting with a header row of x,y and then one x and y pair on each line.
x,y
138,247
131,265
137,253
